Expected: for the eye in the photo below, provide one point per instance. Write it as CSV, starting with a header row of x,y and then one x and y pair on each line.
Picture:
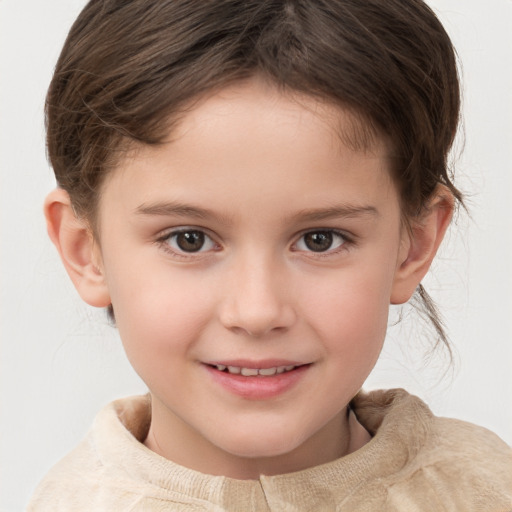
x,y
320,241
189,241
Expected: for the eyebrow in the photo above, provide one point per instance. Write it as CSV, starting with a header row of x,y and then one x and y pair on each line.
x,y
177,209
172,208
338,211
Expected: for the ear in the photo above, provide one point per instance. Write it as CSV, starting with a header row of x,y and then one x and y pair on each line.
x,y
420,244
78,251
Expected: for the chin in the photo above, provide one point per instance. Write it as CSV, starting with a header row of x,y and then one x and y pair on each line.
x,y
263,444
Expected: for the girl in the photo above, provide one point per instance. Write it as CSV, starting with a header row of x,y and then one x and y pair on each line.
x,y
247,186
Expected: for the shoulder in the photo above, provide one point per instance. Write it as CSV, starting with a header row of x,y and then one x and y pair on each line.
x,y
468,441
447,460
60,489
471,456
75,481
461,464
110,469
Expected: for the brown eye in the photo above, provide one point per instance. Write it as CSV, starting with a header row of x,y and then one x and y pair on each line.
x,y
320,241
190,240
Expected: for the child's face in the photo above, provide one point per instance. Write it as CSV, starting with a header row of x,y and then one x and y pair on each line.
x,y
254,239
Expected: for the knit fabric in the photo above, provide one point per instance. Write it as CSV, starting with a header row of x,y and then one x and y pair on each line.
x,y
414,462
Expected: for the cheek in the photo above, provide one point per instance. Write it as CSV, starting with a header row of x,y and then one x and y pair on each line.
x,y
157,309
350,313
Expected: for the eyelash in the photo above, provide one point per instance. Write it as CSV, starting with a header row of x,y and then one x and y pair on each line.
x,y
164,241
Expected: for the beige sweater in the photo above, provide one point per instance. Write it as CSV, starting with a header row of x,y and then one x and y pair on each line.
x,y
414,462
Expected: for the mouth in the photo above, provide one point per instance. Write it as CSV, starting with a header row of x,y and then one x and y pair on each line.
x,y
258,381
254,372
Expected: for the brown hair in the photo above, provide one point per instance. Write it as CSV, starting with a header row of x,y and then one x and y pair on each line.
x,y
130,66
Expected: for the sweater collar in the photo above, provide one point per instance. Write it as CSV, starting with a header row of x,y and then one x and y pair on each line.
x,y
398,422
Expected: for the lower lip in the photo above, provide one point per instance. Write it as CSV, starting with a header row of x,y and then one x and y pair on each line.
x,y
258,387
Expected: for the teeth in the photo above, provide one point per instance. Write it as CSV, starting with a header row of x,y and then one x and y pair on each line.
x,y
249,372
268,371
253,372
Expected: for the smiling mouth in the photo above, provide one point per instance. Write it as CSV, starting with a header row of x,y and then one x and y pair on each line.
x,y
255,372
263,380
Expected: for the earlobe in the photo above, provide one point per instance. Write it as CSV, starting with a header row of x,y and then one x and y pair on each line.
x,y
420,245
76,246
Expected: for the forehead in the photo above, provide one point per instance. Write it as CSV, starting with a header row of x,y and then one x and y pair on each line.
x,y
278,105
250,143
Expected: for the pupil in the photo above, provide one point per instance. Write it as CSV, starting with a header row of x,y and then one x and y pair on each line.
x,y
190,241
319,241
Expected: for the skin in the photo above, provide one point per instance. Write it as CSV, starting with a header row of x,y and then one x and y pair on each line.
x,y
255,170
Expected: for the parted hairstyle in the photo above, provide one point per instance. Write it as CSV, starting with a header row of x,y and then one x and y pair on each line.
x,y
130,68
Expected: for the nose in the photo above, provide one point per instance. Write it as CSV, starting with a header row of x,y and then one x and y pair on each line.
x,y
257,299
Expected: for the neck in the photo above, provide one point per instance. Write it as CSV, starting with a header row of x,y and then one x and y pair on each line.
x,y
175,441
